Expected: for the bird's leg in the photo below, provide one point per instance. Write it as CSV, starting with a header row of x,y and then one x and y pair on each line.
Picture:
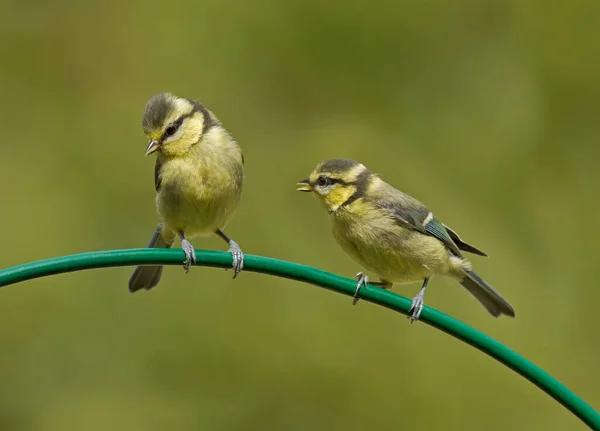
x,y
190,254
236,253
363,280
417,303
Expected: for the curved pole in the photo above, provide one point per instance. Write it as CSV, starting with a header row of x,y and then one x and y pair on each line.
x,y
280,268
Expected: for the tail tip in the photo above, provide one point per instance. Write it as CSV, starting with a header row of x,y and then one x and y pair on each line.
x,y
134,287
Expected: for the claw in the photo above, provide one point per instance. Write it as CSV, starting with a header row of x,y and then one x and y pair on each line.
x,y
417,306
362,281
238,258
190,254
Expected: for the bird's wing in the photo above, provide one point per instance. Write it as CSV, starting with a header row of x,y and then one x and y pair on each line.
x,y
425,222
463,245
412,214
157,180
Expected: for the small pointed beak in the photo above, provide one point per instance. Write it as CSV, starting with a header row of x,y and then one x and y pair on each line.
x,y
304,186
152,147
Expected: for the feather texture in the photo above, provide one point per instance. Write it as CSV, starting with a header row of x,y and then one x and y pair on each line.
x,y
146,277
198,178
392,234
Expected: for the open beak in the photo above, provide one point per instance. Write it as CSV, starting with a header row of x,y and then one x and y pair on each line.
x,y
152,146
304,186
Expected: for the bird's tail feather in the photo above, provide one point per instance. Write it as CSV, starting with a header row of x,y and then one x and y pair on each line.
x,y
485,294
146,277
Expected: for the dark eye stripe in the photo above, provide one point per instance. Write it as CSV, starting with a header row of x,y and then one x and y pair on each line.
x,y
362,184
172,129
331,181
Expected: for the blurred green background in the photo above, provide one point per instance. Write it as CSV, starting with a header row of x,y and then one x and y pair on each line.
x,y
485,110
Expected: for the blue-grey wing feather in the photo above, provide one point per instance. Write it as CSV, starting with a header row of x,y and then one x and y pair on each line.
x,y
463,245
412,214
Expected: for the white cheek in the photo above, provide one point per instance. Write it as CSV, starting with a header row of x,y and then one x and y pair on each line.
x,y
324,190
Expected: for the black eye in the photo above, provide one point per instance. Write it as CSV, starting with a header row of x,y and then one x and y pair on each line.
x,y
323,181
170,131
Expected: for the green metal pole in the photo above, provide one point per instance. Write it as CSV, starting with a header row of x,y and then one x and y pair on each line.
x,y
265,265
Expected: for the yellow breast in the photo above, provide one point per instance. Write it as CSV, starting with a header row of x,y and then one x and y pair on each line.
x,y
199,193
381,245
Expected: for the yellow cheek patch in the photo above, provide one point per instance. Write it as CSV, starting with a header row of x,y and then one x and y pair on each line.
x,y
336,197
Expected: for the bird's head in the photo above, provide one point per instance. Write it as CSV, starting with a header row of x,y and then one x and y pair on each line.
x,y
174,124
337,183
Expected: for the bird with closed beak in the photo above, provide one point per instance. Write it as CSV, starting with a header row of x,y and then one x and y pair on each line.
x,y
198,178
394,235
